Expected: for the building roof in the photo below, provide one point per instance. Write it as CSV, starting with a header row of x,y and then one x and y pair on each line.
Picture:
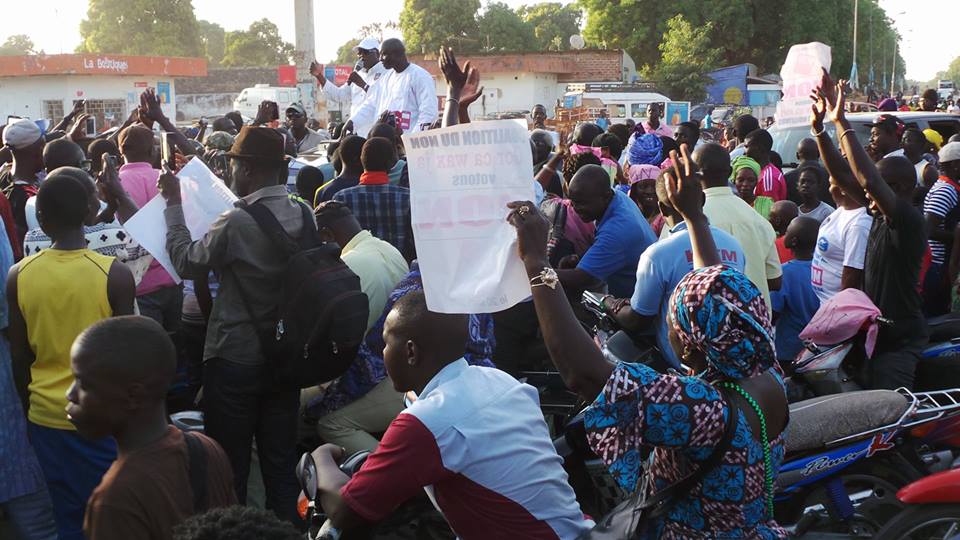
x,y
101,64
586,65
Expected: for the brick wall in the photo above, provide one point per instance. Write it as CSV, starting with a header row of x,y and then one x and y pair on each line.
x,y
594,66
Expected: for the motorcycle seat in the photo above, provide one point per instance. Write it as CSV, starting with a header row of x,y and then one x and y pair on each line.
x,y
944,327
816,422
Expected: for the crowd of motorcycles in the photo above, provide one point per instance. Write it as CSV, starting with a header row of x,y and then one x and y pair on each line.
x,y
882,464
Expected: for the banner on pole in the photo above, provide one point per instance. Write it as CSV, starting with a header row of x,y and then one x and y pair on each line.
x,y
801,73
461,179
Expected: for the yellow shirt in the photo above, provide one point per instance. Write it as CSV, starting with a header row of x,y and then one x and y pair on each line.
x,y
60,294
730,213
380,267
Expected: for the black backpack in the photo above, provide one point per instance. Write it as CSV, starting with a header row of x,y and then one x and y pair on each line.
x,y
321,316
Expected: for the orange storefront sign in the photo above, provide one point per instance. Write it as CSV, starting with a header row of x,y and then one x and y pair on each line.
x,y
101,64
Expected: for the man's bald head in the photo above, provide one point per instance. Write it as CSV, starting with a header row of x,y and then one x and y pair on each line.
x,y
62,153
807,150
393,54
713,161
590,192
419,342
781,214
801,236
123,367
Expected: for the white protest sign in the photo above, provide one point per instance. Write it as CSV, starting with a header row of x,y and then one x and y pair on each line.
x,y
801,73
204,198
461,179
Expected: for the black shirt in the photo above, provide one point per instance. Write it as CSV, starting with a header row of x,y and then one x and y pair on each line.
x,y
895,250
343,181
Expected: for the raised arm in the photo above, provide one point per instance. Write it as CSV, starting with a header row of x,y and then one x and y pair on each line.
x,y
581,364
686,195
456,78
155,112
862,166
836,166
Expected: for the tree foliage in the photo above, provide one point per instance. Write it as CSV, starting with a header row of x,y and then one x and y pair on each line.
x,y
346,54
258,46
143,27
213,39
553,23
502,30
429,24
755,31
687,56
17,44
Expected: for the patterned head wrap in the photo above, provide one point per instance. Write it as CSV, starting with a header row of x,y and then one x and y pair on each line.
x,y
719,312
645,149
220,140
744,162
637,173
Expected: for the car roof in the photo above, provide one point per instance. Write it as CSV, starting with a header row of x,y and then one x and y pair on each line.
x,y
910,116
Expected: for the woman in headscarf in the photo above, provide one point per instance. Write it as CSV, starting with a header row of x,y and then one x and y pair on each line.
x,y
643,191
721,328
646,149
745,175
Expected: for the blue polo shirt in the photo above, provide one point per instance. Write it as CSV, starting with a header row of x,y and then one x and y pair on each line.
x,y
796,302
663,266
622,235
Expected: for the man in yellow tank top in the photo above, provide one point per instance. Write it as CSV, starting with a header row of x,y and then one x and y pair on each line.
x,y
53,296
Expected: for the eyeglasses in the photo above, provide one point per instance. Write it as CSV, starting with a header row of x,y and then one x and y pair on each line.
x,y
294,114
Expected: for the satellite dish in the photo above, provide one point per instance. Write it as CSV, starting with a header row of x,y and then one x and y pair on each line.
x,y
577,42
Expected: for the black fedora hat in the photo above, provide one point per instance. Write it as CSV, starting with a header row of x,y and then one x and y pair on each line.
x,y
260,144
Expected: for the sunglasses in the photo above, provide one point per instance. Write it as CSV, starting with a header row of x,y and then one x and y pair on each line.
x,y
294,114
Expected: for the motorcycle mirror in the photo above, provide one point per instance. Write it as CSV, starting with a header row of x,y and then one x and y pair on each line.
x,y
307,476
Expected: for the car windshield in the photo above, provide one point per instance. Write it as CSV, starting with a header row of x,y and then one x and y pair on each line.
x,y
785,140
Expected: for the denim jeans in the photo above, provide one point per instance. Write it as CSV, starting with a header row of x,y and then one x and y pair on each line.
x,y
240,404
32,516
163,305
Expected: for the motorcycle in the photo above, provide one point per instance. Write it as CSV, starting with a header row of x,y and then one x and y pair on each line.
x,y
932,510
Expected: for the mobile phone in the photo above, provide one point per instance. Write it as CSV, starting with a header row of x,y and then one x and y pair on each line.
x,y
167,152
91,127
109,163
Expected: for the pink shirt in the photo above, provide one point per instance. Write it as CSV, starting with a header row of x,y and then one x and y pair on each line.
x,y
140,181
771,183
661,131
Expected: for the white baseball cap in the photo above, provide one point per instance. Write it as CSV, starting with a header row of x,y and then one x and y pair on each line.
x,y
21,133
368,44
950,152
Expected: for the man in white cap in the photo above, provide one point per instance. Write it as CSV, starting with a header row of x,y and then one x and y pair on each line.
x,y
359,84
26,142
941,209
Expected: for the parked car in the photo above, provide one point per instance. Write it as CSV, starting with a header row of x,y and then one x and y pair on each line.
x,y
250,98
785,140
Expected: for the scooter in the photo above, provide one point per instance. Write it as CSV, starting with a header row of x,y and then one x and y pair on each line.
x,y
932,510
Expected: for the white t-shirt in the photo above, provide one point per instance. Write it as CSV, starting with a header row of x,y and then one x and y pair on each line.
x,y
842,242
819,213
410,94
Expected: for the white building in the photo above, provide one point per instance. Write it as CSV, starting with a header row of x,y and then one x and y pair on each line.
x,y
47,86
517,82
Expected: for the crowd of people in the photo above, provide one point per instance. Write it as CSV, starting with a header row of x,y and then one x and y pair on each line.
x,y
712,250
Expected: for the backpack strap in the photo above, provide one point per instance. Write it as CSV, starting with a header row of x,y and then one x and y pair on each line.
x,y
663,500
197,471
271,227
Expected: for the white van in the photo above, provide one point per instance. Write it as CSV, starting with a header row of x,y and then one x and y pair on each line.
x,y
250,98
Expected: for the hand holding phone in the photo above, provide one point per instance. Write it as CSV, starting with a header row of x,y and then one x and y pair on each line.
x,y
168,159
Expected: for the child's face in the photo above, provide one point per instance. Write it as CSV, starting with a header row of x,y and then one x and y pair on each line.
x,y
808,185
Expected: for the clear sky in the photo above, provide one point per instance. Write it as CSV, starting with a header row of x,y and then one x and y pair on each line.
x,y
928,28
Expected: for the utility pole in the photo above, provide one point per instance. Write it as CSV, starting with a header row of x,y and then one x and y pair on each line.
x,y
853,68
893,77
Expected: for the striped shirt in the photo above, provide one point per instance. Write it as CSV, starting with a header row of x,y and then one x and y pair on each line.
x,y
940,201
384,210
771,184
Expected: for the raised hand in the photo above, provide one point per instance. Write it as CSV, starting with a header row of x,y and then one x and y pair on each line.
x,y
265,113
532,229
151,105
316,69
78,107
456,78
838,111
169,186
818,110
356,79
683,187
78,131
471,89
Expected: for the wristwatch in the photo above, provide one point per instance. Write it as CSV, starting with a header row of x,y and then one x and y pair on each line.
x,y
547,276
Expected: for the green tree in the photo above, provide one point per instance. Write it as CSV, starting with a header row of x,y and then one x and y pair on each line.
x,y
346,54
428,24
16,45
143,27
553,23
260,46
687,57
213,39
502,30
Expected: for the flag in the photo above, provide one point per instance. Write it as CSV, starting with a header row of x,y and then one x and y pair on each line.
x,y
854,84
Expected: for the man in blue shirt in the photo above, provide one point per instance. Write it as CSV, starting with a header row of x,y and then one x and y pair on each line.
x,y
796,302
622,234
660,269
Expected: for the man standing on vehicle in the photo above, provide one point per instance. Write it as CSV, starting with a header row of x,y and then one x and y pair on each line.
x,y
653,124
359,83
407,91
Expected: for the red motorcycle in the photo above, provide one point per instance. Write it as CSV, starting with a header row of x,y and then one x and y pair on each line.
x,y
932,510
